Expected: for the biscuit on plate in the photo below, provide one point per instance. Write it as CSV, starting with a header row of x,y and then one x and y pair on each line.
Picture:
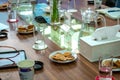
x,y
30,28
67,54
106,63
117,63
59,56
22,29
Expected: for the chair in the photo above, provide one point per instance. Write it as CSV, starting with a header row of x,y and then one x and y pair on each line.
x,y
117,4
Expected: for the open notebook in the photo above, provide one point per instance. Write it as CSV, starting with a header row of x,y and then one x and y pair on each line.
x,y
113,13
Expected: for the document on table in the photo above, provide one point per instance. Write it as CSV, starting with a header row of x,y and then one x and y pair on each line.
x,y
3,26
113,13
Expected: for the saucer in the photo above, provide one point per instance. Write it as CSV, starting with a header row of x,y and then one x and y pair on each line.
x,y
39,47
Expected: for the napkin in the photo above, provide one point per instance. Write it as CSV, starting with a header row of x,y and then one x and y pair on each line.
x,y
108,33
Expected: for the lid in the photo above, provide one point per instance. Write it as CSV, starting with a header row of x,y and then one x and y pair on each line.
x,y
26,64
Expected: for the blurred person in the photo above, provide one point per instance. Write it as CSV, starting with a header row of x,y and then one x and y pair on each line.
x,y
110,3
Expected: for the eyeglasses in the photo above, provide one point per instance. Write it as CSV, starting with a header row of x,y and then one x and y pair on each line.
x,y
9,58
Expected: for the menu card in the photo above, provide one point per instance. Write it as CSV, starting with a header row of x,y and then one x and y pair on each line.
x,y
3,26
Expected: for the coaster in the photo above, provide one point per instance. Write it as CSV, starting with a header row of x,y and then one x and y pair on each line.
x,y
37,47
104,78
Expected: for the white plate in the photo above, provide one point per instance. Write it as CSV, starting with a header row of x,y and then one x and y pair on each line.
x,y
25,32
114,60
62,51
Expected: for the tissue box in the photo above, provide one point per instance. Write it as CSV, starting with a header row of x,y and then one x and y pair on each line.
x,y
92,50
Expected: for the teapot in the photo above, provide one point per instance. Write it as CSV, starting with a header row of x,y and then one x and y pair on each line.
x,y
88,18
88,15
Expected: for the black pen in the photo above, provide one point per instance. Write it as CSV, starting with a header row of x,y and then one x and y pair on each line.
x,y
113,10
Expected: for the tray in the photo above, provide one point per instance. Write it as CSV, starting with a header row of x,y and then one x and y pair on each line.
x,y
5,63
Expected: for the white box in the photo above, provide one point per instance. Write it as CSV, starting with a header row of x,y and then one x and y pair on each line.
x,y
92,50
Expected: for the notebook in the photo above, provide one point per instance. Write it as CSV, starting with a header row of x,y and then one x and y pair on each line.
x,y
113,13
5,63
3,26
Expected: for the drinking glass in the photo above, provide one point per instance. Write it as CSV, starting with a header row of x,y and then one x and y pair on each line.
x,y
39,41
105,68
12,12
72,7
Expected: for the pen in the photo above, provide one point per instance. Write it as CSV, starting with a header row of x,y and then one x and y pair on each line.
x,y
113,10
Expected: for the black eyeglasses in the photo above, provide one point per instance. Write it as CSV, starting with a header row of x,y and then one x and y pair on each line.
x,y
9,58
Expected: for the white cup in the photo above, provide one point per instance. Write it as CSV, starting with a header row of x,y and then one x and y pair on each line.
x,y
26,70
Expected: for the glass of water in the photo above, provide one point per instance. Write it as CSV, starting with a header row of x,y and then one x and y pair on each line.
x,y
40,25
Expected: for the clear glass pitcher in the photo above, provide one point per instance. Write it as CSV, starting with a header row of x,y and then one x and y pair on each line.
x,y
90,21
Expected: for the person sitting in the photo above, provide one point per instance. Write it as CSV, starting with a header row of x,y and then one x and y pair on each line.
x,y
110,3
113,3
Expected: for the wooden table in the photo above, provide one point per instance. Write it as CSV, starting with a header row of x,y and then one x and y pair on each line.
x,y
81,69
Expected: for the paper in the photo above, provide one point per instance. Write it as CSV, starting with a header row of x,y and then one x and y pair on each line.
x,y
18,58
3,26
113,13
